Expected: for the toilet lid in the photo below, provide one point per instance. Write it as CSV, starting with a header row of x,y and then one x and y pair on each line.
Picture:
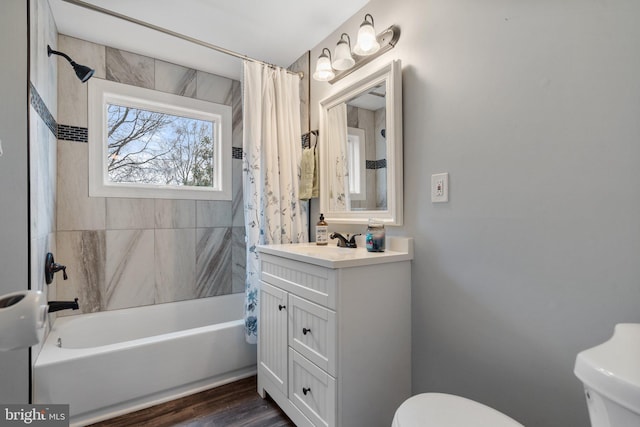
x,y
445,410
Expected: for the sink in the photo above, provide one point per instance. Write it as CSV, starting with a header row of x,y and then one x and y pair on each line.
x,y
332,256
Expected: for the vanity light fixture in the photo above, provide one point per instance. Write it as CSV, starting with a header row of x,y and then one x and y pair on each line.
x,y
83,72
342,59
324,72
367,43
368,47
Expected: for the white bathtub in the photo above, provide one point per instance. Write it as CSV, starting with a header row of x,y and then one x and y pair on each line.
x,y
115,362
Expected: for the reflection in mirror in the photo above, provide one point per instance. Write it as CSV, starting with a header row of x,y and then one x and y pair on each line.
x,y
366,121
361,153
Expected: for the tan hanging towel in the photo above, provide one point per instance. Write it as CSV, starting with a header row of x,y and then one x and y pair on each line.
x,y
315,192
307,173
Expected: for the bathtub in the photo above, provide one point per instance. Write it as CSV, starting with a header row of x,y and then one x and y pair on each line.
x,y
110,363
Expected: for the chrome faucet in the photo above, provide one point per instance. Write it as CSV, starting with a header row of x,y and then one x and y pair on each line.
x,y
343,242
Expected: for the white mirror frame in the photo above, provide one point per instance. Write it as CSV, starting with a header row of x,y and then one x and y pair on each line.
x,y
391,74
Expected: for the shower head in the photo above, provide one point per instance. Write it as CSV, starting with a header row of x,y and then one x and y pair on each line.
x,y
83,72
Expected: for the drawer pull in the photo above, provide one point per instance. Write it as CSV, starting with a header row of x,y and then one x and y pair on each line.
x,y
281,307
306,390
305,331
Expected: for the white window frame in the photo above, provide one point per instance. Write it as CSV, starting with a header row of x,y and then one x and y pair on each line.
x,y
104,92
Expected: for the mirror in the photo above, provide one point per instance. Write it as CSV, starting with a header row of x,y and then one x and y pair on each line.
x,y
361,150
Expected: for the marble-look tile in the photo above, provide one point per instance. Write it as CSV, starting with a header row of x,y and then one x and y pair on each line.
x,y
75,209
239,260
40,246
213,213
237,203
129,271
72,102
130,68
47,181
380,118
84,255
130,214
175,264
175,213
302,64
213,262
381,182
42,144
213,88
43,32
236,114
86,53
42,192
175,79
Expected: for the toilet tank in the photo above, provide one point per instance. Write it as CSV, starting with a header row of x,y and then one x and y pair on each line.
x,y
610,373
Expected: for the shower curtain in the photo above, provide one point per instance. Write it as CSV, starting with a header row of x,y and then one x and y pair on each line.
x,y
272,150
336,144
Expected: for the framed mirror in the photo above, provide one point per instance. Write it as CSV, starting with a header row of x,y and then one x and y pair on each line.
x,y
361,150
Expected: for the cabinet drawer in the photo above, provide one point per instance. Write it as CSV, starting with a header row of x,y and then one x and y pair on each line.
x,y
312,282
312,390
312,332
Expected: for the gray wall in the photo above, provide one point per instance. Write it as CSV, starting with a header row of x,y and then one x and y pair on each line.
x,y
14,169
532,108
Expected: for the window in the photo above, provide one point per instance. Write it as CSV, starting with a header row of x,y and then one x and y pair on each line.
x,y
357,164
150,144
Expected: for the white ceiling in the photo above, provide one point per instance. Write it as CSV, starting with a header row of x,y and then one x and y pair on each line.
x,y
274,31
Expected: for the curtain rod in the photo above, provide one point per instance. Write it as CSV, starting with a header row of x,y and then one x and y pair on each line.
x,y
174,34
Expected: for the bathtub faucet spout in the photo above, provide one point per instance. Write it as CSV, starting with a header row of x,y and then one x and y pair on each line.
x,y
63,305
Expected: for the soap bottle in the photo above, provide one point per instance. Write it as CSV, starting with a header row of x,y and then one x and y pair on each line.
x,y
322,231
375,237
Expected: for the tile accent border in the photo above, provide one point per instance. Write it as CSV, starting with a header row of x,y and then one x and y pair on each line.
x,y
376,164
41,108
73,133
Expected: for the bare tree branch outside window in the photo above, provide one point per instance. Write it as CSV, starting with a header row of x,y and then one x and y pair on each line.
x,y
148,147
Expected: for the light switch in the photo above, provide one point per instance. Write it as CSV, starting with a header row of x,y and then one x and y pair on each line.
x,y
440,187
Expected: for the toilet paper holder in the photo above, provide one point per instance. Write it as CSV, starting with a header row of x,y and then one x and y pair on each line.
x,y
23,315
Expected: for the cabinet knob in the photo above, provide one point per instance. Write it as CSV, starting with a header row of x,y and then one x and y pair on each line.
x,y
281,307
306,390
305,331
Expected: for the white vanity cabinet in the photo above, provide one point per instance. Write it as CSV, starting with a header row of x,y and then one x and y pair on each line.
x,y
334,333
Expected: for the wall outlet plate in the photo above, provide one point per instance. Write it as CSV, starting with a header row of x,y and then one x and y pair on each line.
x,y
440,187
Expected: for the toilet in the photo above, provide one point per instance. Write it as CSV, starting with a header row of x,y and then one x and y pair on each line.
x,y
610,373
446,410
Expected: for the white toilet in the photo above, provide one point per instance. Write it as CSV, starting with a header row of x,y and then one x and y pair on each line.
x,y
610,373
446,410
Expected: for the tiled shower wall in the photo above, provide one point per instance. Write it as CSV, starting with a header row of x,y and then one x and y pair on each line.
x,y
373,123
42,145
125,252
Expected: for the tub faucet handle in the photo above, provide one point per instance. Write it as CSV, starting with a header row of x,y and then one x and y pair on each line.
x,y
57,267
51,267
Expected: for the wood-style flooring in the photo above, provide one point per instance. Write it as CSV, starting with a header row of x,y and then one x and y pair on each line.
x,y
235,404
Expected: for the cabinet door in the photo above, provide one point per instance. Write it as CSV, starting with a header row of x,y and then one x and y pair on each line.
x,y
272,336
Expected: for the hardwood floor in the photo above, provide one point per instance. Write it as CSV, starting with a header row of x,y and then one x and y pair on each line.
x,y
235,404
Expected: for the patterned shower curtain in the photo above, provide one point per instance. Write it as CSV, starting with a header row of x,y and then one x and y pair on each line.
x,y
272,150
336,143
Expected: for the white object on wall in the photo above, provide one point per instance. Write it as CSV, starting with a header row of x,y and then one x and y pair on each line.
x,y
440,187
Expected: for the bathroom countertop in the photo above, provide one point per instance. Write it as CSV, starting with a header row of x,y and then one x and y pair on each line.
x,y
331,256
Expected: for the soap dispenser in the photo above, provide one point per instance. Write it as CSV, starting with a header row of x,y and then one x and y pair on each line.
x,y
322,232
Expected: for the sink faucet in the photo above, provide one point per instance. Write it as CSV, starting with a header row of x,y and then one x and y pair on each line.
x,y
63,305
343,242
